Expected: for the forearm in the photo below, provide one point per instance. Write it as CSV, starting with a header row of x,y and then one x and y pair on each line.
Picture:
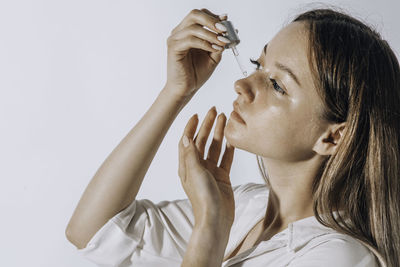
x,y
117,181
206,247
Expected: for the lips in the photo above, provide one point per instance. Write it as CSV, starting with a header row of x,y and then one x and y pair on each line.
x,y
237,111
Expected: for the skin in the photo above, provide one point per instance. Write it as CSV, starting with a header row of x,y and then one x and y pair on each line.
x,y
285,130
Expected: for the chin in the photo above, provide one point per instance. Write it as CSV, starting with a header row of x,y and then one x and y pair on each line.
x,y
234,137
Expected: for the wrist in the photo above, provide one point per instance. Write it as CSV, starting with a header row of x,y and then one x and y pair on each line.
x,y
217,228
205,247
172,92
214,219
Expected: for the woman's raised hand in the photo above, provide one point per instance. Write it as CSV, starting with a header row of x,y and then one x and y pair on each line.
x,y
191,57
207,185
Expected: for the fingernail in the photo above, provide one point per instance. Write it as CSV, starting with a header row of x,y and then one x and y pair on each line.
x,y
223,39
222,16
216,47
220,27
185,141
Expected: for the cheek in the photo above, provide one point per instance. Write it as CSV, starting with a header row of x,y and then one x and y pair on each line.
x,y
275,121
271,132
283,135
275,130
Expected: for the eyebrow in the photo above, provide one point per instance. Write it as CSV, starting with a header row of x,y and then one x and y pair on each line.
x,y
284,68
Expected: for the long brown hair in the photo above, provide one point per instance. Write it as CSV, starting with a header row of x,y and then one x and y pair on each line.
x,y
357,76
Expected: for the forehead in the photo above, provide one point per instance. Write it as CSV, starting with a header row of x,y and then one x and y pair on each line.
x,y
290,47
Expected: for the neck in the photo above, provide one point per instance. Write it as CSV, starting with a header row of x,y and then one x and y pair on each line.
x,y
290,197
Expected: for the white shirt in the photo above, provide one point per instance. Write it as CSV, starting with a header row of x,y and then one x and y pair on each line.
x,y
153,235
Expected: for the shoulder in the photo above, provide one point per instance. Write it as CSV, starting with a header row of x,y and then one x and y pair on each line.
x,y
335,249
250,189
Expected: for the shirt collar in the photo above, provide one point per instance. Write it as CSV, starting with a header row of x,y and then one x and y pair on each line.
x,y
252,209
294,237
302,231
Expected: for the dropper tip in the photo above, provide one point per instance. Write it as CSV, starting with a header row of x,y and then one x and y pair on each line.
x,y
235,52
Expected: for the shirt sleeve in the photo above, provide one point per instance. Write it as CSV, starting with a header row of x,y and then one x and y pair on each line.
x,y
344,252
161,229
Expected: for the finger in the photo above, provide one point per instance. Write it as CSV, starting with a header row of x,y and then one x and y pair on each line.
x,y
204,131
205,10
215,147
192,159
181,165
198,17
216,56
183,45
220,17
227,158
202,34
191,126
189,131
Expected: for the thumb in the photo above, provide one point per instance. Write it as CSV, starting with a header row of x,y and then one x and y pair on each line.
x,y
192,159
216,56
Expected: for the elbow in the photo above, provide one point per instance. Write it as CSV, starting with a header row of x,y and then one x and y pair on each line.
x,y
69,236
72,238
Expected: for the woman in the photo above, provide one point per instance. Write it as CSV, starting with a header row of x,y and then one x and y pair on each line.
x,y
321,113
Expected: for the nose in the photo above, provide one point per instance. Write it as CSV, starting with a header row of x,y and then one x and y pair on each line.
x,y
243,88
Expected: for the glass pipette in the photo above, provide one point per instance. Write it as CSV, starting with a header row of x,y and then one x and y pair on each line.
x,y
231,34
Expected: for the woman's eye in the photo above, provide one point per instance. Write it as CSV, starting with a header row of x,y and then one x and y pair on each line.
x,y
274,83
277,87
255,62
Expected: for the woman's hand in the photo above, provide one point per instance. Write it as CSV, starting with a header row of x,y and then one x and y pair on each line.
x,y
207,185
191,57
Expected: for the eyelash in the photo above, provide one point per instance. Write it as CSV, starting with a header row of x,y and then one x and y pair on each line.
x,y
274,83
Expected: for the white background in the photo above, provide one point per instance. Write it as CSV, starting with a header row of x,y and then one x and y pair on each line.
x,y
76,76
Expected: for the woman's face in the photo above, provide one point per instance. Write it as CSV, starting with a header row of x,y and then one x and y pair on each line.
x,y
278,126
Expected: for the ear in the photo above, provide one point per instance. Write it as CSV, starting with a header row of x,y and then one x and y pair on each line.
x,y
328,142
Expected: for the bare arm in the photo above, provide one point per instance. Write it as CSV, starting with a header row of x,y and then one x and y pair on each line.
x,y
117,181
